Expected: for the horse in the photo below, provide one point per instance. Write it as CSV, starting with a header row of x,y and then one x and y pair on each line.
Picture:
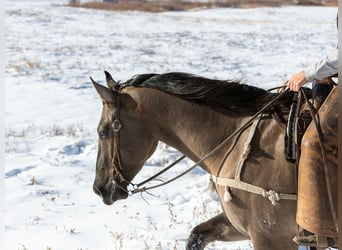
x,y
194,115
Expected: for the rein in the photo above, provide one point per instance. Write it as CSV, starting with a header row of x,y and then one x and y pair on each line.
x,y
136,188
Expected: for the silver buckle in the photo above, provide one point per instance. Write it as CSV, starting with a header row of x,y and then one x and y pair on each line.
x,y
116,125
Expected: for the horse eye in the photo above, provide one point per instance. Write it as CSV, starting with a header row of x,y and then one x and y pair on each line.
x,y
104,134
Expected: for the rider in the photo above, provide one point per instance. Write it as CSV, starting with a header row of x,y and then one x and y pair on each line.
x,y
321,69
314,211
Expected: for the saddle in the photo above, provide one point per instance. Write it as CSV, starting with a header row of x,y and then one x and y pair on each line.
x,y
300,118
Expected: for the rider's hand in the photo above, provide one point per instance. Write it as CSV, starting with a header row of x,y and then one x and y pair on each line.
x,y
297,81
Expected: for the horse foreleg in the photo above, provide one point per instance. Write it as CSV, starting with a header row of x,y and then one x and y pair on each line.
x,y
262,242
218,228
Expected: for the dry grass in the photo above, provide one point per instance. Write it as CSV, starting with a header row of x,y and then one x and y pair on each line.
x,y
159,6
180,5
155,6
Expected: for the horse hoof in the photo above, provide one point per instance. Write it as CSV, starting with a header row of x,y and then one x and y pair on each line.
x,y
195,242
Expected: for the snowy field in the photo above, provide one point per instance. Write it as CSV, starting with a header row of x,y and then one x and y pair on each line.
x,y
52,111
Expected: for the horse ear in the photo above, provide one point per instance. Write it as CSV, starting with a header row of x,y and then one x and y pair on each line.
x,y
110,82
106,94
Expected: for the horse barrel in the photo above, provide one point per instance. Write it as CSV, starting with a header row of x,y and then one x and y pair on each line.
x,y
313,212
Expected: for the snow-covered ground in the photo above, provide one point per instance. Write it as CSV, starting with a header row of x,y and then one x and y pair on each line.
x,y
52,111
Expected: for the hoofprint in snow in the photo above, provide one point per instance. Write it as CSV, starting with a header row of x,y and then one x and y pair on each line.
x,y
52,112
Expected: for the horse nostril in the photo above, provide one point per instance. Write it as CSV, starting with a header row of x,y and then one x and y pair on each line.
x,y
97,191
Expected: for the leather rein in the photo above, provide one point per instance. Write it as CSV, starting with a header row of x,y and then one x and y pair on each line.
x,y
139,188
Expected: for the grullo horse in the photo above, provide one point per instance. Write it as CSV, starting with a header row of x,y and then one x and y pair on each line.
x,y
196,115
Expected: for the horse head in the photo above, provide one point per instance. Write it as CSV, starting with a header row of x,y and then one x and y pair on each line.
x,y
124,142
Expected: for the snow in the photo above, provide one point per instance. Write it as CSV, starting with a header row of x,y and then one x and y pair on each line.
x,y
52,110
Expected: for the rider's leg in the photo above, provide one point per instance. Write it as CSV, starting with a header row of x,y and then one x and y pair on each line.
x,y
314,211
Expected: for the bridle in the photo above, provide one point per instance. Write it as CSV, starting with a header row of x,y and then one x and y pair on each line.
x,y
116,160
137,188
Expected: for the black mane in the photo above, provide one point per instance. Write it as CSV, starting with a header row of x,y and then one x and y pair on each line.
x,y
221,95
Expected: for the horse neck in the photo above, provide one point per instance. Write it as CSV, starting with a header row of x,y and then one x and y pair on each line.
x,y
195,130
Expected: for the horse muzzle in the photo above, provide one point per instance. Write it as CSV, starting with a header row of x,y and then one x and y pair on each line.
x,y
111,193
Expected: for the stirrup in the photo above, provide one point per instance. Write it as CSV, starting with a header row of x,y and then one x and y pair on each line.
x,y
311,241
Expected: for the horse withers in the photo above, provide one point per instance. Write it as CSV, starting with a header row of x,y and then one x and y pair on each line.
x,y
256,178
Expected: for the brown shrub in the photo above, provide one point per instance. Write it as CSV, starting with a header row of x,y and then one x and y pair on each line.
x,y
180,5
155,6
